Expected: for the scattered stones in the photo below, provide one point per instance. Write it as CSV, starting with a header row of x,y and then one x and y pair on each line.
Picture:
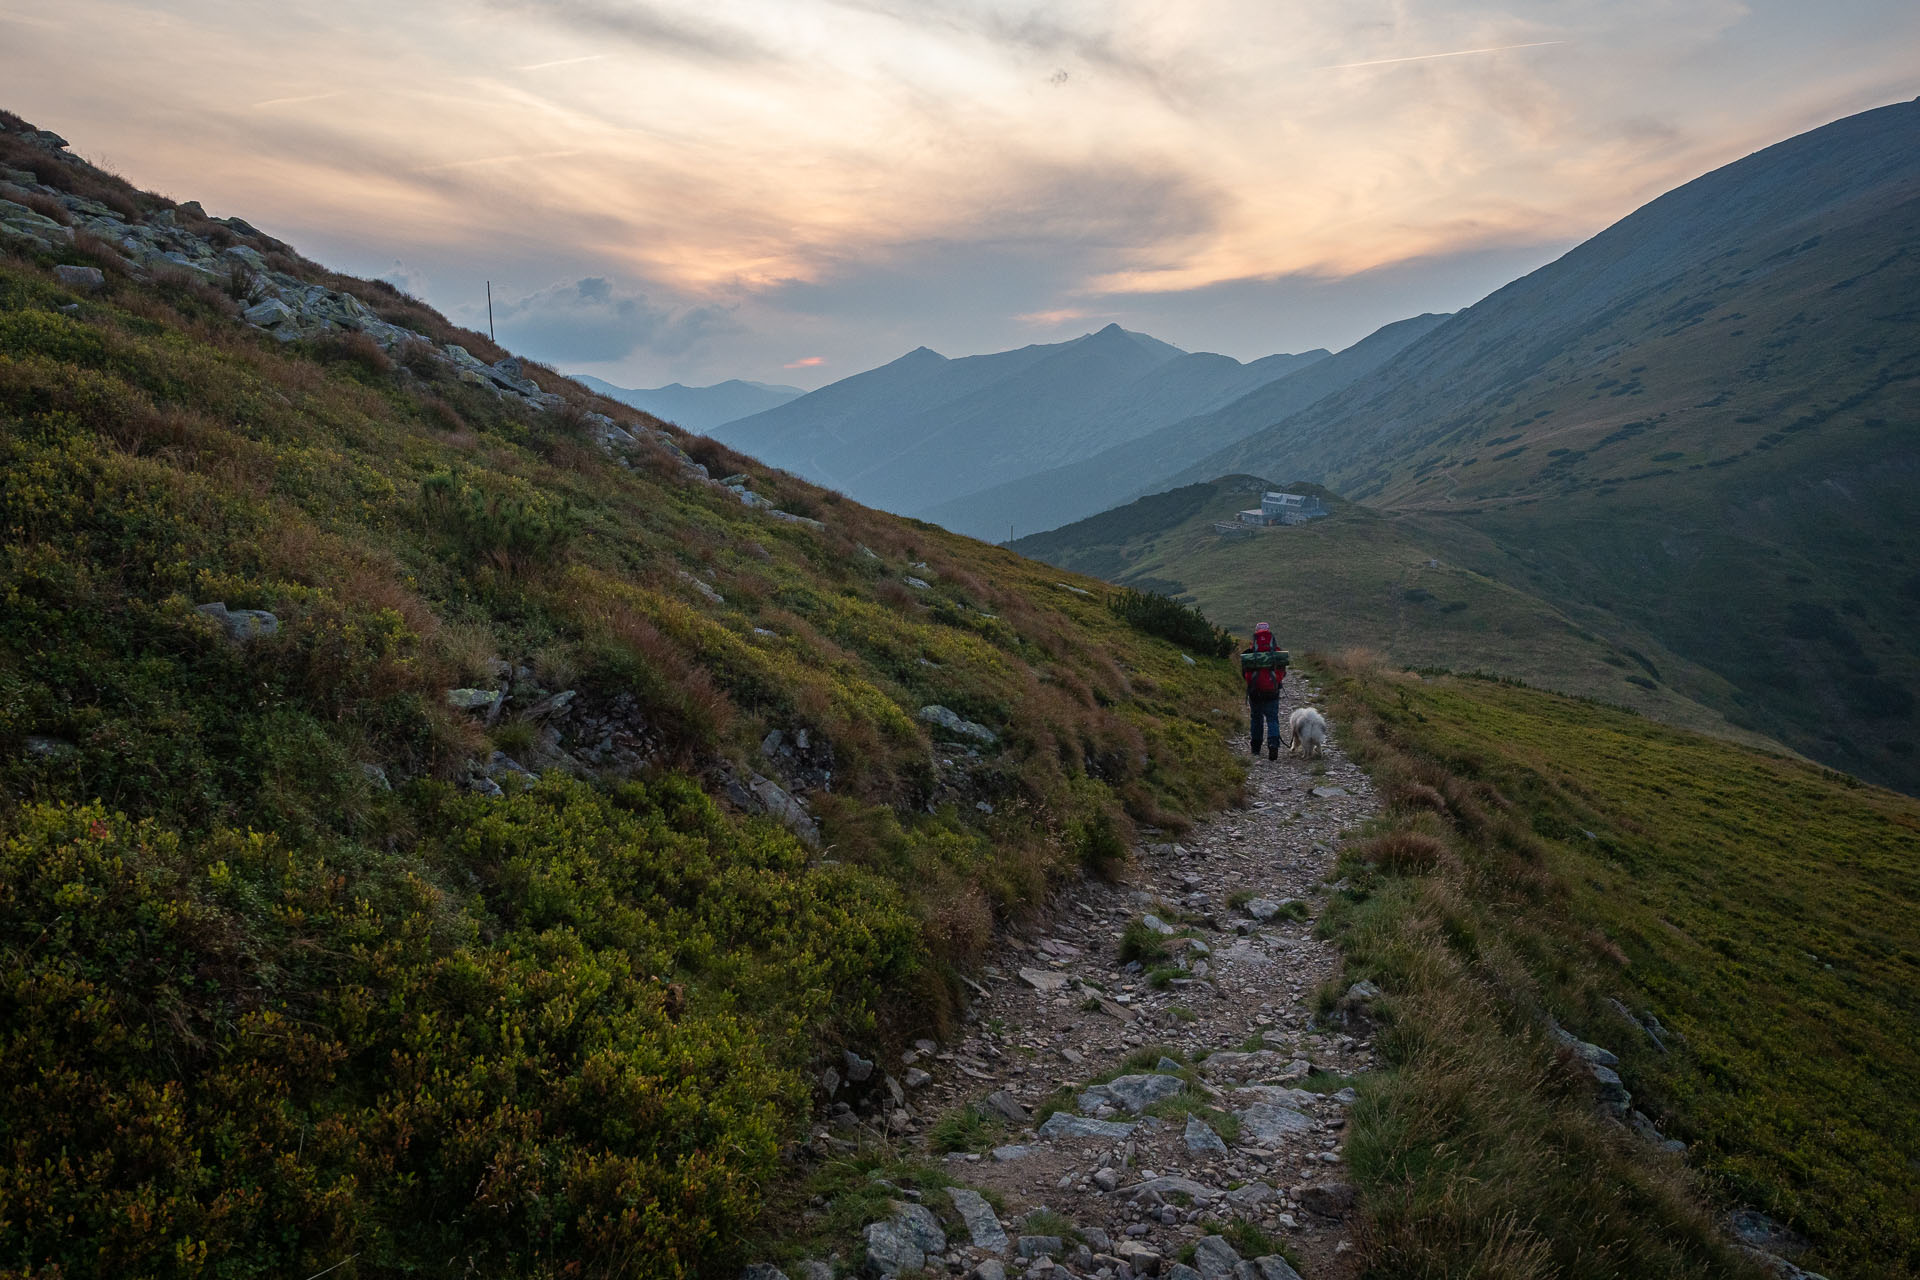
x,y
1327,793
989,1269
763,1271
859,1069
1011,1152
1041,1246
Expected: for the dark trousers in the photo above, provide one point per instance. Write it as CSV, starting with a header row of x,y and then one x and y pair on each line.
x,y
1266,714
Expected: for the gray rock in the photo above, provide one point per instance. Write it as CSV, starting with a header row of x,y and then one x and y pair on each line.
x,y
1327,793
990,1269
1171,1184
1251,1196
918,584
1064,1124
1266,1123
268,313
918,1079
1011,1152
784,809
941,718
1136,1093
1158,925
1045,981
763,1271
859,1069
1180,1271
1270,1267
1756,1230
80,277
891,1250
241,625
1363,991
1167,1065
1201,1139
1006,1106
1041,1246
812,1269
472,699
983,1228
920,1225
1214,1258
1328,1199
377,776
1262,908
1612,1093
1106,1179
1586,1051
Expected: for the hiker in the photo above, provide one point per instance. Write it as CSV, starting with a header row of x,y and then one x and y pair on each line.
x,y
1263,676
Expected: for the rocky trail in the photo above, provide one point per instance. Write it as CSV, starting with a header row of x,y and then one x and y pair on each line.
x,y
1124,1113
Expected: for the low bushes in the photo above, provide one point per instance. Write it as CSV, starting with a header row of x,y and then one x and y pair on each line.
x,y
227,1056
1182,624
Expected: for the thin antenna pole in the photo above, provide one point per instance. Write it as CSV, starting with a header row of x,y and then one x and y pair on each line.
x,y
490,337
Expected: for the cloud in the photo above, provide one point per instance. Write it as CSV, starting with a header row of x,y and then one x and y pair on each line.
x,y
594,321
408,280
805,362
1048,319
644,25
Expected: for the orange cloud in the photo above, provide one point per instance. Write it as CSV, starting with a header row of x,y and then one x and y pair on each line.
x,y
806,362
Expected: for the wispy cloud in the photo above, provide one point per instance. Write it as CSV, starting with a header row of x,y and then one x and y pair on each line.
x,y
305,97
1429,57
1048,319
805,362
563,62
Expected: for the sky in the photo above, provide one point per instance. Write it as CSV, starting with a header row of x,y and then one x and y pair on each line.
x,y
796,190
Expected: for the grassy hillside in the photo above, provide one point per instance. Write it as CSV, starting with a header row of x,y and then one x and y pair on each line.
x,y
1739,928
1700,425
300,968
1360,578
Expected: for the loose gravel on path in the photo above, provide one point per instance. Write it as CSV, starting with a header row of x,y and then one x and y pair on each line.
x,y
1057,1008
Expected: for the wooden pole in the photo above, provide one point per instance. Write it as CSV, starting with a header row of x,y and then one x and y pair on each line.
x,y
490,337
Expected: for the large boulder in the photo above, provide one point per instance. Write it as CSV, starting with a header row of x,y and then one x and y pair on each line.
x,y
983,1226
1266,1123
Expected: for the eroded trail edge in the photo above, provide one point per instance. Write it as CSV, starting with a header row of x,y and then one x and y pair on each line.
x,y
1144,1107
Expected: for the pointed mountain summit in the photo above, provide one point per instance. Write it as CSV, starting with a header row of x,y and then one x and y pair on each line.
x,y
922,429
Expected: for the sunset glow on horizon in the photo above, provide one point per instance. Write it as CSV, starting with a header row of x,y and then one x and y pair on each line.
x,y
670,190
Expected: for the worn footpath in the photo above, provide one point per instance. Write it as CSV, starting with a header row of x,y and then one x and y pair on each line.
x,y
1126,1113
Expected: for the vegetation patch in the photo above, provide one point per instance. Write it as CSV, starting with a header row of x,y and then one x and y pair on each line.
x,y
1182,624
1737,927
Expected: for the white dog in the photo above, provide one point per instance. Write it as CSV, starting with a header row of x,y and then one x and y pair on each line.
x,y
1306,731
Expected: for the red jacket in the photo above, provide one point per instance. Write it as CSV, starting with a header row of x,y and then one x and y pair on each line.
x,y
1266,683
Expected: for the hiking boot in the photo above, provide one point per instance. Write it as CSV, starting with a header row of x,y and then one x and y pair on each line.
x,y
1254,750
1273,751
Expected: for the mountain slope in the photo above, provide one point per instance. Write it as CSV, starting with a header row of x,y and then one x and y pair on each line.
x,y
299,961
915,432
1702,421
1362,579
696,408
1142,465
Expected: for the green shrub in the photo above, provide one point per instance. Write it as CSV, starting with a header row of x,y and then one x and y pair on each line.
x,y
1182,624
506,524
1138,942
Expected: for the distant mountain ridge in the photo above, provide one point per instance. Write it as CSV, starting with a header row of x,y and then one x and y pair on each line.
x,y
1702,425
696,408
923,429
1142,465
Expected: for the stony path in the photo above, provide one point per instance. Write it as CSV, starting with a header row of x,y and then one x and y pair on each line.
x,y
1059,1008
